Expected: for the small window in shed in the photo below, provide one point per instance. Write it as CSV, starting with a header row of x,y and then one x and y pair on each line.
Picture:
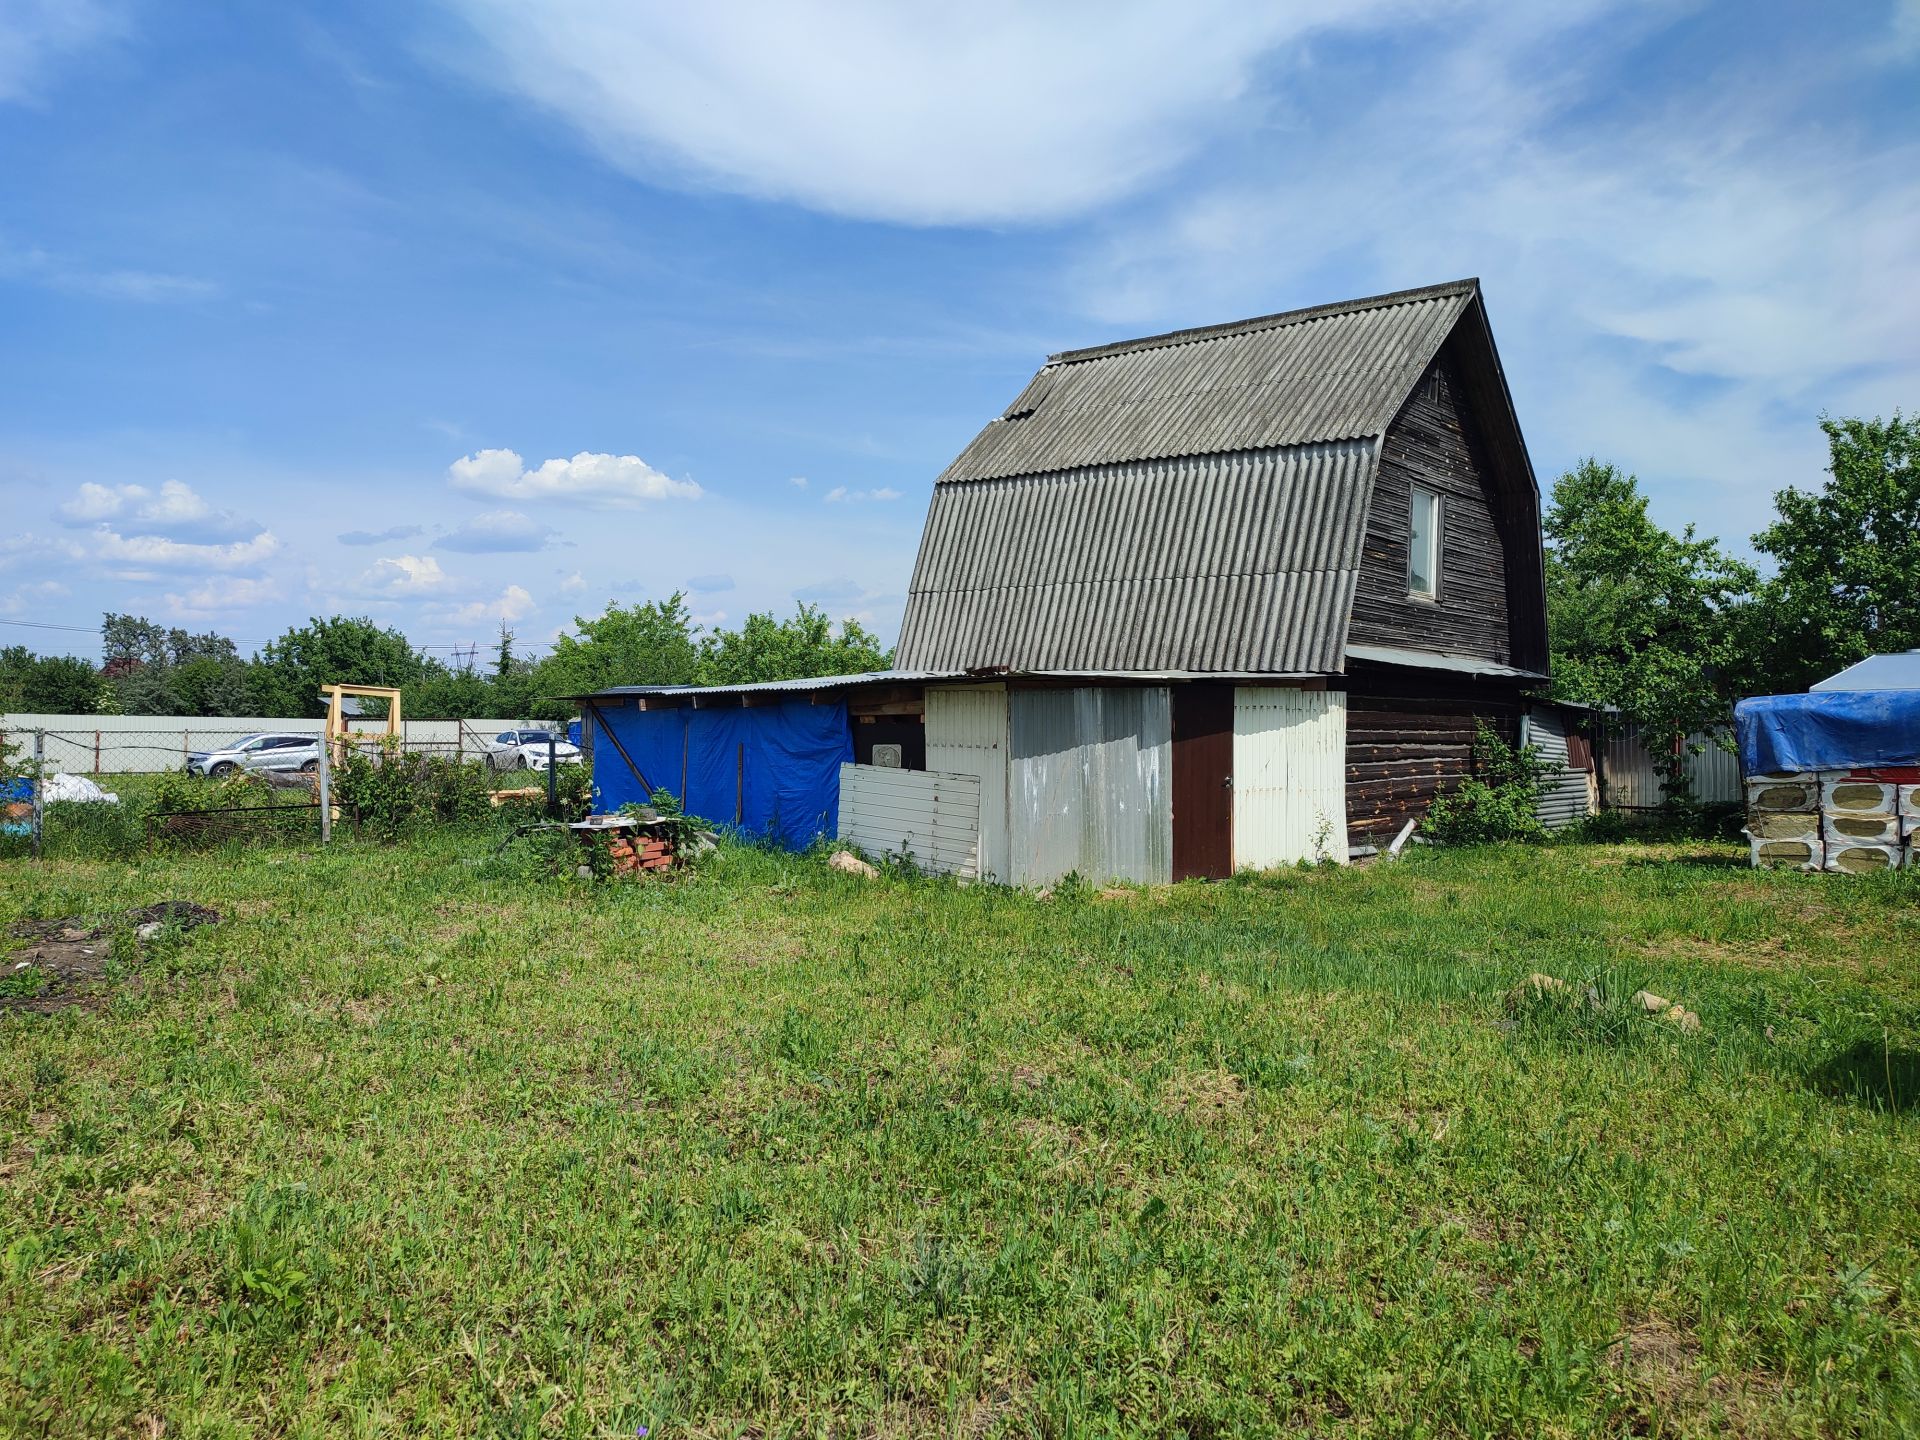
x,y
1423,545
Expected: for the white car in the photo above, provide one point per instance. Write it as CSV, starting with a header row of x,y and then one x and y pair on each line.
x,y
527,750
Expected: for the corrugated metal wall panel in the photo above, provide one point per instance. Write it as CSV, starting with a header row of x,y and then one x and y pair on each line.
x,y
1563,799
1289,776
1089,770
1547,732
930,816
967,735
1217,563
1633,784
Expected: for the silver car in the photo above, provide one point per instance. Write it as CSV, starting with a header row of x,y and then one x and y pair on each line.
x,y
267,751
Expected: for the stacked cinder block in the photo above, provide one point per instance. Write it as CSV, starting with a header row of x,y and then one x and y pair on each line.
x,y
1851,822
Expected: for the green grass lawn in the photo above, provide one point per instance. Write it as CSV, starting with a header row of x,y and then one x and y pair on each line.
x,y
413,1144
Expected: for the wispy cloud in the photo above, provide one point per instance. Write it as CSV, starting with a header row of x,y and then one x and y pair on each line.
x,y
841,495
921,114
36,35
380,537
176,510
147,287
498,532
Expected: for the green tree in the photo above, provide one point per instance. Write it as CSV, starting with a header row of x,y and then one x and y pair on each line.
x,y
764,648
1640,618
1847,582
449,694
647,644
57,685
129,640
337,650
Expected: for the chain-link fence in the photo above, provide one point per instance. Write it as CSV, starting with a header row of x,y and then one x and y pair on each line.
x,y
115,791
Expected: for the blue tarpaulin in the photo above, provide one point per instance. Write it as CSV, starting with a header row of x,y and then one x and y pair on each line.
x,y
1828,730
776,766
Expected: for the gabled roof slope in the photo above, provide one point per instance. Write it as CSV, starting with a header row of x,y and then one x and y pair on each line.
x,y
1334,372
1190,503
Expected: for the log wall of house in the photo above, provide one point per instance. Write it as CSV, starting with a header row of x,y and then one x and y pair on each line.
x,y
1430,444
1410,739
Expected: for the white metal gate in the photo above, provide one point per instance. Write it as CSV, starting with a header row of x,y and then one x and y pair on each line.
x,y
967,735
1289,776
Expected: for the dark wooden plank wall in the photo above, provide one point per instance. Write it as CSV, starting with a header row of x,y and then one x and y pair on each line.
x,y
1410,740
1429,444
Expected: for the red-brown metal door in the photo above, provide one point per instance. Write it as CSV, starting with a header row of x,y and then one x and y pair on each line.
x,y
1202,781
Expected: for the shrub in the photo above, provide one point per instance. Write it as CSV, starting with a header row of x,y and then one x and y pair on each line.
x,y
393,791
1495,803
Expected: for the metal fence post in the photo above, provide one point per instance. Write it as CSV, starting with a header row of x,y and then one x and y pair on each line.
x,y
326,793
39,788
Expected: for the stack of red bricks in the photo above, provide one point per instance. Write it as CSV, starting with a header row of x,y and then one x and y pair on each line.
x,y
640,851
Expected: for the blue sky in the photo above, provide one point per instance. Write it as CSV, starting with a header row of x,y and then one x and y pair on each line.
x,y
479,309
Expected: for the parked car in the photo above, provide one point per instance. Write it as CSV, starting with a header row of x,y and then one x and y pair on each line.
x,y
527,750
269,751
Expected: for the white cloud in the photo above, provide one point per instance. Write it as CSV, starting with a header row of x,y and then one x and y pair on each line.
x,y
573,584
799,482
22,599
982,113
222,596
587,478
176,511
35,34
498,532
402,577
511,604
157,552
841,495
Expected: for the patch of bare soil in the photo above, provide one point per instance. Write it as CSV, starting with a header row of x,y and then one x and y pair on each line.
x,y
1658,1365
65,961
1204,1096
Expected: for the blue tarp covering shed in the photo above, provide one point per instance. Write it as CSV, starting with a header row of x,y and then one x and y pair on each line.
x,y
778,765
1828,730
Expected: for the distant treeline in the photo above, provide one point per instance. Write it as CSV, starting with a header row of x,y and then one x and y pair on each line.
x,y
150,669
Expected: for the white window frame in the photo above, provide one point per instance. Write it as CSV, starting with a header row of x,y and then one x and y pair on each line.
x,y
1435,546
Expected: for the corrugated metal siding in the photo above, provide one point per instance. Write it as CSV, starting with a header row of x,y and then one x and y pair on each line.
x,y
967,735
1632,783
1241,562
1563,799
931,817
1563,791
1331,374
1289,776
1089,770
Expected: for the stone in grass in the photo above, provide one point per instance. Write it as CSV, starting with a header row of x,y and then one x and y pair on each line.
x,y
1537,987
848,863
1659,1005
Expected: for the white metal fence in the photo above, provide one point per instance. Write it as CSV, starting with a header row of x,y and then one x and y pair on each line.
x,y
932,818
148,744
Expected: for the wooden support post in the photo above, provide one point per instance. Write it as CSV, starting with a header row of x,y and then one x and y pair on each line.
x,y
686,732
96,752
39,788
326,793
553,781
740,785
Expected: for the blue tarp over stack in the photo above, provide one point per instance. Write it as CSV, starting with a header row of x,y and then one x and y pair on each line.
x,y
1828,730
788,755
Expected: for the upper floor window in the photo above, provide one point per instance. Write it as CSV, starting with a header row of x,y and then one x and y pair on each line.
x,y
1423,545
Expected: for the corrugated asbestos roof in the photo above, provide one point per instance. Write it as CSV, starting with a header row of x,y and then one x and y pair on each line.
x,y
1335,372
1189,502
1240,562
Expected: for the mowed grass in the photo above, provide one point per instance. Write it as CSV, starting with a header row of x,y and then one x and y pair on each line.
x,y
413,1145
